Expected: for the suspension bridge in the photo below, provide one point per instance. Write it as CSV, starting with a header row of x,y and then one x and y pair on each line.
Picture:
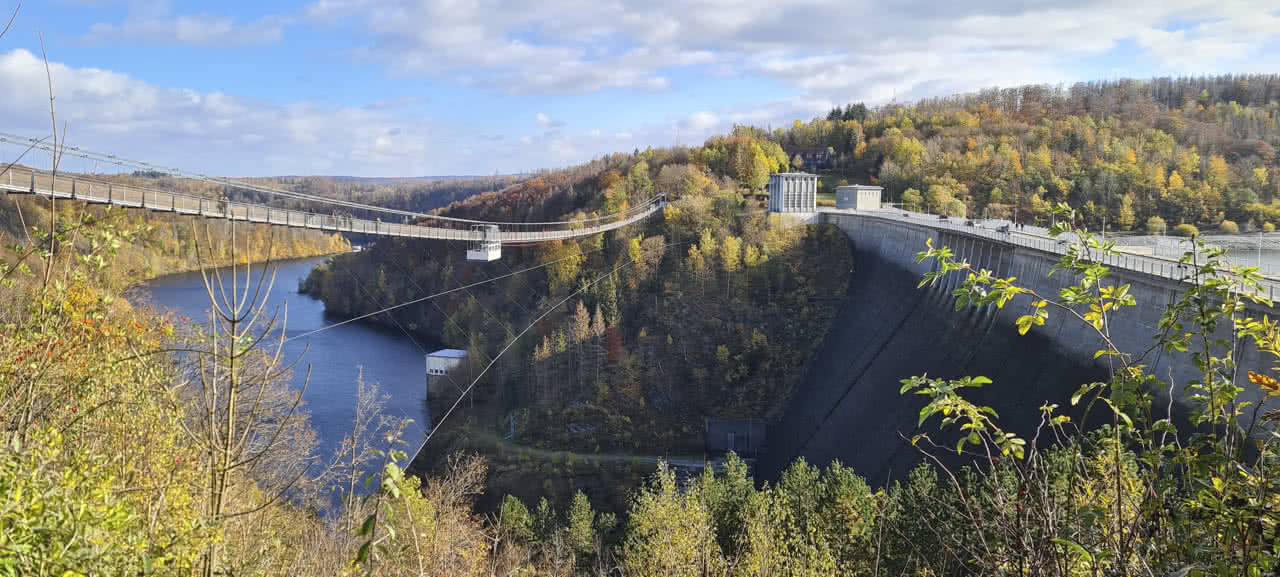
x,y
485,238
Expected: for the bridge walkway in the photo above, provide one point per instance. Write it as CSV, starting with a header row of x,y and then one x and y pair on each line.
x,y
22,180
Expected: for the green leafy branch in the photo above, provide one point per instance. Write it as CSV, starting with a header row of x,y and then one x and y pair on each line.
x,y
977,423
390,480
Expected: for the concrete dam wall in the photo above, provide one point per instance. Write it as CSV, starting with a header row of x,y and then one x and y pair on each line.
x,y
849,408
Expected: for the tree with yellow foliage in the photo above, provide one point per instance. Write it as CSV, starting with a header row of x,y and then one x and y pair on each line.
x,y
1219,174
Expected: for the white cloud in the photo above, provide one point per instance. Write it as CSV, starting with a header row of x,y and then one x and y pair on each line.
x,y
154,23
812,54
547,123
215,133
702,121
1204,47
838,49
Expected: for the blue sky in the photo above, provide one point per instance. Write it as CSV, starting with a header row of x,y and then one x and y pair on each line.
x,y
413,87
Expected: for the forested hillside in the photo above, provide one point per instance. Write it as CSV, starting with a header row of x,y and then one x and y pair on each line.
x,y
722,325
1184,150
713,311
121,457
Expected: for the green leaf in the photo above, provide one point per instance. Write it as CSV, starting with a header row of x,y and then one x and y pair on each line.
x,y
1074,548
1082,391
367,526
1124,417
363,555
1024,324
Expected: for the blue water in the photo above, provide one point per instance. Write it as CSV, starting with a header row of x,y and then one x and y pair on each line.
x,y
335,356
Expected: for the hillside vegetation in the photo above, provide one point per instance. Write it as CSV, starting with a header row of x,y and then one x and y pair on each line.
x,y
116,462
713,311
722,325
1186,150
139,444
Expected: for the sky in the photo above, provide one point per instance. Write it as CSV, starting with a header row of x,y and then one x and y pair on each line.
x,y
451,87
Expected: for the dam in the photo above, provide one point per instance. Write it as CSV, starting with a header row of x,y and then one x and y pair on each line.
x,y
848,407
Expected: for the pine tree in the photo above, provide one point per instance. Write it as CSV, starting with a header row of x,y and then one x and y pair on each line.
x,y
609,300
517,523
544,521
581,532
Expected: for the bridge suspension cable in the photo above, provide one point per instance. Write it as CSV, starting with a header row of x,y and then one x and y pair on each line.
x,y
435,426
441,293
42,144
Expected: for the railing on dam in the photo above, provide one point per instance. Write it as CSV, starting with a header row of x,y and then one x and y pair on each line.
x,y
1153,265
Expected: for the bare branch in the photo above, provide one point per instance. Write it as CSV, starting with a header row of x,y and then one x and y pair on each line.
x,y
12,17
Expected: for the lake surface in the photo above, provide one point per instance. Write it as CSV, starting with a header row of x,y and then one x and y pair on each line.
x,y
336,355
1261,250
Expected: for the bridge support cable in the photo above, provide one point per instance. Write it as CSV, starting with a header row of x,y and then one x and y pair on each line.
x,y
377,303
132,196
439,294
435,426
445,315
486,310
507,290
513,230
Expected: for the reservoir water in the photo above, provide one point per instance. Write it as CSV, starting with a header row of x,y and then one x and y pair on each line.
x,y
336,356
1262,251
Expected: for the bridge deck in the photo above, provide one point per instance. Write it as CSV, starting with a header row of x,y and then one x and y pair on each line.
x,y
19,180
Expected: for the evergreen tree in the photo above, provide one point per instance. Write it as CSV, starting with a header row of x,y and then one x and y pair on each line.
x,y
581,530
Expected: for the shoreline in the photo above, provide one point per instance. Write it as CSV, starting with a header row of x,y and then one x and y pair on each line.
x,y
183,270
